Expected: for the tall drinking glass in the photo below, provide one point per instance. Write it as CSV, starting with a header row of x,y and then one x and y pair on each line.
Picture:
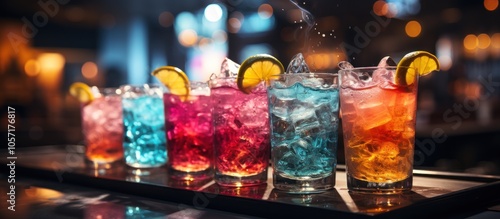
x,y
189,130
144,141
241,133
304,122
378,121
103,128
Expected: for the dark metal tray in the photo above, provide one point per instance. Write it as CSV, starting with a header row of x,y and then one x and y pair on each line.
x,y
435,194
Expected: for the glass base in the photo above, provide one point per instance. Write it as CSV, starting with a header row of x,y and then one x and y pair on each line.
x,y
144,171
102,165
190,176
238,181
140,166
356,185
303,186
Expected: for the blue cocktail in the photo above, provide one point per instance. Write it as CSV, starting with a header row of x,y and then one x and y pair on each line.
x,y
144,126
304,119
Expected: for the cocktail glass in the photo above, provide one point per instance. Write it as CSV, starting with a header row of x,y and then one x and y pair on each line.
x,y
241,133
189,131
103,128
304,122
144,139
378,121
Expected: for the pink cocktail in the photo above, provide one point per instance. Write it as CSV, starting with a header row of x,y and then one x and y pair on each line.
x,y
102,127
189,131
241,134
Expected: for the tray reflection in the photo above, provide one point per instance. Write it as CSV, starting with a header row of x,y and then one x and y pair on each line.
x,y
69,159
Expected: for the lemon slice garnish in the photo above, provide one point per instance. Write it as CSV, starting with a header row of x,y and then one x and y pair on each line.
x,y
419,62
258,68
82,92
174,79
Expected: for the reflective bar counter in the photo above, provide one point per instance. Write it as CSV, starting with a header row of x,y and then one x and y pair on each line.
x,y
53,182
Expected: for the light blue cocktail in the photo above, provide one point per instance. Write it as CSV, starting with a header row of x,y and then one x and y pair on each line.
x,y
304,119
144,126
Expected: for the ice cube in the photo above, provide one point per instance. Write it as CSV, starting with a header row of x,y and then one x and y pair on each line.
x,y
280,105
228,68
199,88
297,65
349,79
345,65
386,61
288,162
305,121
300,148
293,79
282,128
374,114
324,114
313,82
383,78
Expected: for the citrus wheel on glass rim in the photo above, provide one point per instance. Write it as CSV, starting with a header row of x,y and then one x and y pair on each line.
x,y
82,92
420,63
256,69
174,79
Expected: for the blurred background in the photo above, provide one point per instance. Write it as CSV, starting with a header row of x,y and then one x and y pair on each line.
x,y
47,45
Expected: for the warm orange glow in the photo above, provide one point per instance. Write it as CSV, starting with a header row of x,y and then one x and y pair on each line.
x,y
188,37
490,5
380,8
51,66
413,28
51,62
32,68
265,11
166,19
48,193
473,90
89,70
483,41
234,25
470,42
495,41
324,61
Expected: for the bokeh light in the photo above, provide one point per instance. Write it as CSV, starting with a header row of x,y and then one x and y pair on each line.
x,y
413,28
213,12
490,5
470,42
188,37
51,62
444,49
32,68
234,25
89,70
483,41
265,11
495,41
166,19
380,8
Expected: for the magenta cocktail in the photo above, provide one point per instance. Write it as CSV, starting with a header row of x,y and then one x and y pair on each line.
x,y
241,133
189,132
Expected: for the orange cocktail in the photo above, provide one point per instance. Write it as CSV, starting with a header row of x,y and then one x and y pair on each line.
x,y
378,120
378,106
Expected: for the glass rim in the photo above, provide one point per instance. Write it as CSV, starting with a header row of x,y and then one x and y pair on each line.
x,y
307,73
140,86
366,68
